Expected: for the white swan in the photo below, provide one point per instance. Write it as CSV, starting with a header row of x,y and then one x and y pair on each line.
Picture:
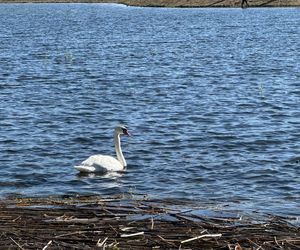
x,y
105,163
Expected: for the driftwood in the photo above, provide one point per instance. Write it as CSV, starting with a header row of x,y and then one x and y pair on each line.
x,y
96,223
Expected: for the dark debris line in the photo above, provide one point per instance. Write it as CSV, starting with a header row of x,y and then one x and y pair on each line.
x,y
97,223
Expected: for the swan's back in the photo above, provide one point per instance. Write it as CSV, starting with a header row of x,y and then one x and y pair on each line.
x,y
100,164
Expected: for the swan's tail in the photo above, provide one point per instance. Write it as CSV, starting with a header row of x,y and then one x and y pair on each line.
x,y
85,169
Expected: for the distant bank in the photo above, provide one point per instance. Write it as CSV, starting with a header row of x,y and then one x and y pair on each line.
x,y
175,3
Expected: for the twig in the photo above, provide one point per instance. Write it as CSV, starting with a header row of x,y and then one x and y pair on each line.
x,y
100,244
113,228
276,242
229,247
293,240
168,241
113,244
124,229
238,247
131,235
200,237
294,246
184,218
16,218
48,244
152,223
259,247
109,212
72,233
17,243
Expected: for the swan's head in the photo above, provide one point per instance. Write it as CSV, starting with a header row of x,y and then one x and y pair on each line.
x,y
122,130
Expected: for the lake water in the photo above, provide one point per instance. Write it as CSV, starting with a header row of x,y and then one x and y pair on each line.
x,y
211,96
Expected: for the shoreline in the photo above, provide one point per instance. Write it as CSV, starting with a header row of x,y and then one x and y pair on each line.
x,y
176,3
89,222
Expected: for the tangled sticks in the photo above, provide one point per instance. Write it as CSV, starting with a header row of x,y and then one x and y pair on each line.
x,y
91,222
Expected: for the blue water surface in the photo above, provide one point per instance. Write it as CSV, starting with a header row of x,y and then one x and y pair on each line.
x,y
211,97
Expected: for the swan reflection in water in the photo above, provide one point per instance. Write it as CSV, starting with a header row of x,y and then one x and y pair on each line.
x,y
93,181
106,163
107,175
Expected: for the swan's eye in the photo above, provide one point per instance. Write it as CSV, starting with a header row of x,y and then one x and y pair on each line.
x,y
125,131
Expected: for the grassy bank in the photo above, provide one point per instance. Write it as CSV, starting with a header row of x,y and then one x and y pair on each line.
x,y
126,223
175,3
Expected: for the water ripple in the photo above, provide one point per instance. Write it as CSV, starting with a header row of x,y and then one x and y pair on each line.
x,y
210,95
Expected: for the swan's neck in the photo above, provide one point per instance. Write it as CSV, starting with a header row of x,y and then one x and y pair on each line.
x,y
119,153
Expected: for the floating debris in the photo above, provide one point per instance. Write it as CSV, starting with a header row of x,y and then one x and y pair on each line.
x,y
89,222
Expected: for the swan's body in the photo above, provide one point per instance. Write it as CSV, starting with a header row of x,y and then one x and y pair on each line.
x,y
105,163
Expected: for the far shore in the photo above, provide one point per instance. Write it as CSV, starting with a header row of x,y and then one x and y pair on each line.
x,y
176,3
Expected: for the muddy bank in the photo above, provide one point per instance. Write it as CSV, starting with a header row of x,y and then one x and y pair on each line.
x,y
91,222
175,3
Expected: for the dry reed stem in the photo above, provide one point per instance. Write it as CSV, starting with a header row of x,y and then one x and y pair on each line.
x,y
131,235
101,244
201,236
19,246
81,223
48,244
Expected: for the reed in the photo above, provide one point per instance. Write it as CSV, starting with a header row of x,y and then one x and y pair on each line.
x,y
92,222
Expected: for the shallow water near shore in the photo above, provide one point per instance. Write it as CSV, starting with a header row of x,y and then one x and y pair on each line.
x,y
211,97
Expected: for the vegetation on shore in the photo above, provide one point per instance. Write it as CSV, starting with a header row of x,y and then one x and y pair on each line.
x,y
175,3
92,222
